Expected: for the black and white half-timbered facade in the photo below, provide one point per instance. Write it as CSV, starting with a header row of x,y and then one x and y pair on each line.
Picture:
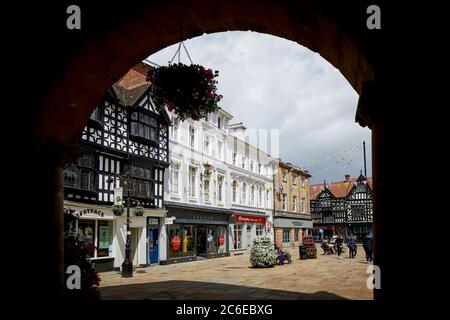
x,y
342,207
124,144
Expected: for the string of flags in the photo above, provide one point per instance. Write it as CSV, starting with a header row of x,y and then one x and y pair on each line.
x,y
345,157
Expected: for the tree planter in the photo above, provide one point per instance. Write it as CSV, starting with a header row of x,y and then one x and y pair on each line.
x,y
117,210
187,90
262,254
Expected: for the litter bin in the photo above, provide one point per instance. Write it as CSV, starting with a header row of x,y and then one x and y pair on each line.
x,y
302,252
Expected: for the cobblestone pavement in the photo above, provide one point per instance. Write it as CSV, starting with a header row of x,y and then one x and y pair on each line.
x,y
232,278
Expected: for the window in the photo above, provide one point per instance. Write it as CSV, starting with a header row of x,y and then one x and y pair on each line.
x,y
188,240
237,239
252,195
259,168
219,122
294,180
283,201
267,198
212,240
175,240
357,212
286,236
260,197
220,149
244,191
97,117
234,158
296,233
207,144
303,183
221,239
284,175
302,208
143,126
192,173
192,136
251,165
82,174
259,230
243,162
141,181
98,233
206,190
294,203
249,236
220,188
234,185
174,174
174,129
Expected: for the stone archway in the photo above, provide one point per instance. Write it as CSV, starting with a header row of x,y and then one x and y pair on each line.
x,y
87,68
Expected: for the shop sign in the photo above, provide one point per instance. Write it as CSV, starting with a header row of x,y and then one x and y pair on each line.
x,y
250,219
169,220
269,224
202,218
153,221
91,212
103,237
176,241
118,196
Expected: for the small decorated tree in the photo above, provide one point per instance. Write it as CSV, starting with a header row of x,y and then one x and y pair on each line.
x,y
187,90
262,253
311,249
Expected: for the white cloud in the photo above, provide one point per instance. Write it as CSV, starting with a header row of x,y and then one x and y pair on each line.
x,y
269,82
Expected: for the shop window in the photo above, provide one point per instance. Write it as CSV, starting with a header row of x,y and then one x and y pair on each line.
x,y
188,240
296,234
286,236
221,239
249,236
259,230
97,233
212,240
175,241
237,239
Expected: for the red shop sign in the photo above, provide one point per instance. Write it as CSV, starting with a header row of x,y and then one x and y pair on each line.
x,y
176,241
255,219
221,239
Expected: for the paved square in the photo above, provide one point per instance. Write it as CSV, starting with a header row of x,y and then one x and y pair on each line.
x,y
232,278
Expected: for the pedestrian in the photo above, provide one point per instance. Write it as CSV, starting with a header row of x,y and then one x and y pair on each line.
x,y
352,247
339,243
367,245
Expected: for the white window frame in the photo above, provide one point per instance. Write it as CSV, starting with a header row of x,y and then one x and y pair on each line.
x,y
174,165
192,136
192,197
294,203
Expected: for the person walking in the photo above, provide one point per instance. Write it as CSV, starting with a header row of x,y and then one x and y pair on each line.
x,y
339,244
352,247
367,244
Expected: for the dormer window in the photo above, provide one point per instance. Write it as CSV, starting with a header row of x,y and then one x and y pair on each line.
x,y
96,118
143,127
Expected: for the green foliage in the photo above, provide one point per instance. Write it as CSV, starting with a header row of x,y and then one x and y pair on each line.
x,y
262,253
187,90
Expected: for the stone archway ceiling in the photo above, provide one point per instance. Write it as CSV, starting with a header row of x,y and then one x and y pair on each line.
x,y
118,44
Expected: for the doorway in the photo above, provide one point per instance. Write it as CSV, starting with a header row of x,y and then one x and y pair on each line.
x,y
153,245
201,241
135,232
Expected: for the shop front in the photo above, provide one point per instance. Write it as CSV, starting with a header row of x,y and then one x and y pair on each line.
x,y
322,232
196,232
289,232
96,226
244,227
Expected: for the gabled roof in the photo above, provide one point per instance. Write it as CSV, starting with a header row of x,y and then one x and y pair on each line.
x,y
338,189
129,89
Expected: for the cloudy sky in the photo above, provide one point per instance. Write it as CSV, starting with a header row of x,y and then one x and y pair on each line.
x,y
272,83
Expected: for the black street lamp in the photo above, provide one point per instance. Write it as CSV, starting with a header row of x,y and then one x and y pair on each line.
x,y
127,265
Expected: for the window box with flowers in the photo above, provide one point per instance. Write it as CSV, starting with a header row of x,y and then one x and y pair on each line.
x,y
117,209
187,90
138,211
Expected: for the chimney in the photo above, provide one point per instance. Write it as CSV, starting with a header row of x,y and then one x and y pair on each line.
x,y
347,178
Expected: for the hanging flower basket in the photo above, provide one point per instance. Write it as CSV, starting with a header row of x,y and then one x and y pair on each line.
x,y
187,90
117,209
138,211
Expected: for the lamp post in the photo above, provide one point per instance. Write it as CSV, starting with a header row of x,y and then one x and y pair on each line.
x,y
127,265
